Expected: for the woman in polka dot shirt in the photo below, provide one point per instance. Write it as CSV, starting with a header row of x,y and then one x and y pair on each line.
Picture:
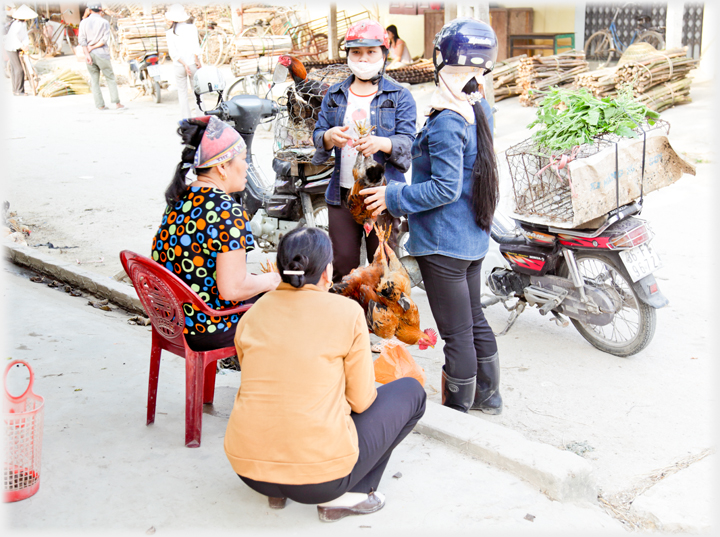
x,y
205,234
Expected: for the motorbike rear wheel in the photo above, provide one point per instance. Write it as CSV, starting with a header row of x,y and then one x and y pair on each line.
x,y
156,91
633,325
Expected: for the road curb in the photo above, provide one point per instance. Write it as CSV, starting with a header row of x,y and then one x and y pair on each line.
x,y
560,475
68,272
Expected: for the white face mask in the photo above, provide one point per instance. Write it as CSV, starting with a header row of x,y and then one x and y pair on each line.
x,y
364,70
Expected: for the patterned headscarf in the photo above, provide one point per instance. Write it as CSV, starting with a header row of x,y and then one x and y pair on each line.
x,y
220,143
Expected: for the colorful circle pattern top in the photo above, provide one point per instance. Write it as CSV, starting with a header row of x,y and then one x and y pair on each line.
x,y
204,222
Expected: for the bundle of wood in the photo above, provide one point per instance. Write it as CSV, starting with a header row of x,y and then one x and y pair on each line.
x,y
139,35
667,94
247,53
63,82
505,76
601,82
415,73
659,79
539,73
319,64
252,47
241,66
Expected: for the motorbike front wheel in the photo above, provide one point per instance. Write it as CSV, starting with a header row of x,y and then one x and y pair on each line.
x,y
320,213
633,326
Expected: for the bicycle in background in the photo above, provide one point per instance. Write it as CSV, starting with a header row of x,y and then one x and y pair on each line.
x,y
605,45
46,41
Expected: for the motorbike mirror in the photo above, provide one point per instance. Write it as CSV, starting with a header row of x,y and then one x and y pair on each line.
x,y
280,74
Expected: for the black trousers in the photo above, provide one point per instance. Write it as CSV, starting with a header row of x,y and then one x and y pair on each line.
x,y
398,407
17,73
346,236
453,291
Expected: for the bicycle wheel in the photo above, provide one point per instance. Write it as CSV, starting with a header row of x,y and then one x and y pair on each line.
x,y
260,86
238,87
652,37
37,44
212,48
599,48
317,47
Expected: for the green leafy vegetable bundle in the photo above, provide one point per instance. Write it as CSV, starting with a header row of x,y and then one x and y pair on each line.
x,y
573,117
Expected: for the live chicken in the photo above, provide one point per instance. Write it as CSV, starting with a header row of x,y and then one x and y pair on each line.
x,y
367,173
383,290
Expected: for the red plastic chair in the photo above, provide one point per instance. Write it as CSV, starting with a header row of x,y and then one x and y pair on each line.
x,y
162,295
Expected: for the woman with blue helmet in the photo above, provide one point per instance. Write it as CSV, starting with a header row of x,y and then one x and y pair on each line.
x,y
450,205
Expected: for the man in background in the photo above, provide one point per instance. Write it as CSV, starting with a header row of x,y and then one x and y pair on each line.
x,y
93,37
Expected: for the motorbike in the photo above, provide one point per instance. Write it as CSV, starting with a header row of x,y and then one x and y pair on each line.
x,y
600,279
146,75
297,195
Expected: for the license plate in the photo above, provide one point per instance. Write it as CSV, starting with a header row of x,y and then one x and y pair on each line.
x,y
154,70
640,261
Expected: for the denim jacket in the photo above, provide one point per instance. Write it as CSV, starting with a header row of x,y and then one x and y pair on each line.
x,y
438,200
394,116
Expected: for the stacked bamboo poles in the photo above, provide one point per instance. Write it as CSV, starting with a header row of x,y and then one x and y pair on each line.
x,y
139,35
65,82
505,76
251,53
659,79
252,47
240,66
539,73
601,82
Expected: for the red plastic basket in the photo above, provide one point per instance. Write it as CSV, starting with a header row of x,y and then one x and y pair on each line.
x,y
23,418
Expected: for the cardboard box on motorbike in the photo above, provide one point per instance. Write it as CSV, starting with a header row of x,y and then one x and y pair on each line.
x,y
579,190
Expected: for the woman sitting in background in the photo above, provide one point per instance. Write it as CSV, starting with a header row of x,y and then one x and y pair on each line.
x,y
308,423
205,234
399,55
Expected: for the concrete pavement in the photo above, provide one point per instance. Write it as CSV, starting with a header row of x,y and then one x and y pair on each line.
x,y
102,468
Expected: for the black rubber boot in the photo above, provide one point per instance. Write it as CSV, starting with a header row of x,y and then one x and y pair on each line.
x,y
487,393
457,393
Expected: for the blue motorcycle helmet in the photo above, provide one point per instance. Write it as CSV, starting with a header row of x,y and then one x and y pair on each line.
x,y
465,42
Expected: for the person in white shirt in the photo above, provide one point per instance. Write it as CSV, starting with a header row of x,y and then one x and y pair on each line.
x,y
16,40
184,49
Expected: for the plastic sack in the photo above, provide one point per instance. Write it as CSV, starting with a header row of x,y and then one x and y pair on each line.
x,y
396,362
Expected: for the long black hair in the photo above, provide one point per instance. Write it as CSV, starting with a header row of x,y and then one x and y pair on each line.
x,y
191,132
485,189
392,28
305,249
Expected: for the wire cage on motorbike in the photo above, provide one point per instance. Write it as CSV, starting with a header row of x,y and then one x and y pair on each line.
x,y
541,187
294,129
